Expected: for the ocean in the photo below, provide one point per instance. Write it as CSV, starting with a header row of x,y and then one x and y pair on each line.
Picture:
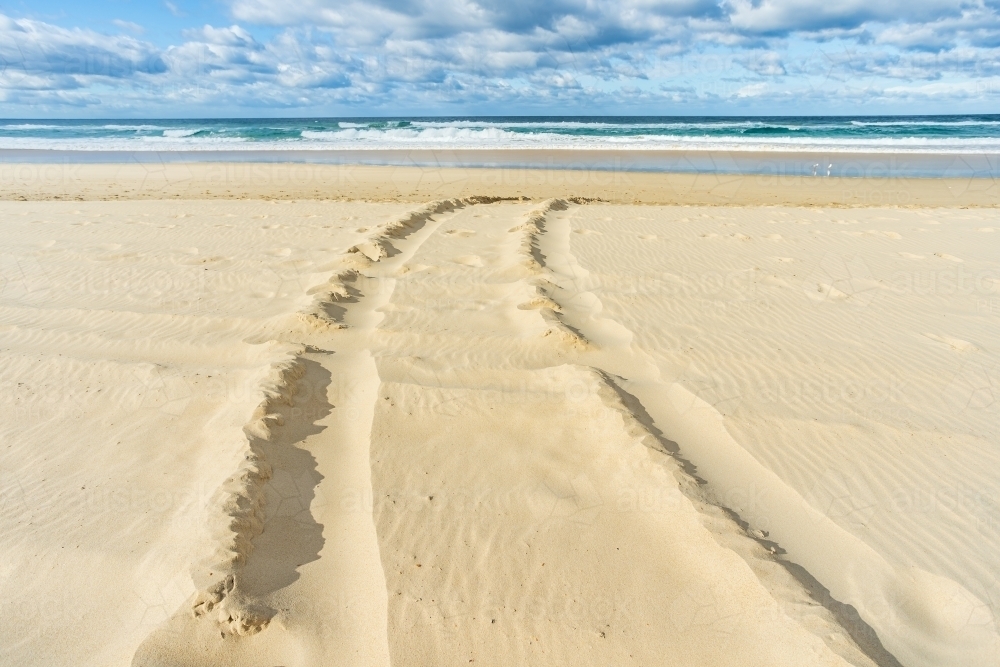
x,y
960,145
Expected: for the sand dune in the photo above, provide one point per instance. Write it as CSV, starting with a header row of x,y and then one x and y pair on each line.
x,y
503,432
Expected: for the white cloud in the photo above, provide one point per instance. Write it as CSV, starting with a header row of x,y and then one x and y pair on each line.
x,y
35,48
784,16
752,90
134,28
172,8
767,63
396,56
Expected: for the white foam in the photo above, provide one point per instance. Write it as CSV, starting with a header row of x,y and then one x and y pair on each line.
x,y
476,135
132,127
180,133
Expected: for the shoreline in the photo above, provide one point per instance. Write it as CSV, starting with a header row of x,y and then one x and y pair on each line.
x,y
778,162
296,181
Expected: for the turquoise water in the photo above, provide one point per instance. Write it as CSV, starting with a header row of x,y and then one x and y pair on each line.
x,y
881,134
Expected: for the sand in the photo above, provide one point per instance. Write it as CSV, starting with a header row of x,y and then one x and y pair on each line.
x,y
478,430
153,178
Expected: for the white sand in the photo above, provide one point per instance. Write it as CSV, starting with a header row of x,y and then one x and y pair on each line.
x,y
508,433
134,344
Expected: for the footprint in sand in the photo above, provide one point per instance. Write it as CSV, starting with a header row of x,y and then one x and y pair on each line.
x,y
783,259
956,344
774,237
910,255
710,235
950,258
469,260
585,232
463,233
648,237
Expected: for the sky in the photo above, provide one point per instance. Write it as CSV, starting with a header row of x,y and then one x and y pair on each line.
x,y
290,58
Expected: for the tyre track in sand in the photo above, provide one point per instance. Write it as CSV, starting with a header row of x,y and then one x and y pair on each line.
x,y
463,460
295,570
625,368
868,609
528,510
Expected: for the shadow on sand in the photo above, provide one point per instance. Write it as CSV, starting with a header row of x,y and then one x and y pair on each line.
x,y
290,539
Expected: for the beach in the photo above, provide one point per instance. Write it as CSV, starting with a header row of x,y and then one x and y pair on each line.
x,y
419,179
269,413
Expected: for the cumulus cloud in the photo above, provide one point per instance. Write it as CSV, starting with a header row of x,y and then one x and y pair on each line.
x,y
428,19
768,64
36,48
559,56
784,16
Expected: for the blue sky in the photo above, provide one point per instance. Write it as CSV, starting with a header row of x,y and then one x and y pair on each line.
x,y
180,58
